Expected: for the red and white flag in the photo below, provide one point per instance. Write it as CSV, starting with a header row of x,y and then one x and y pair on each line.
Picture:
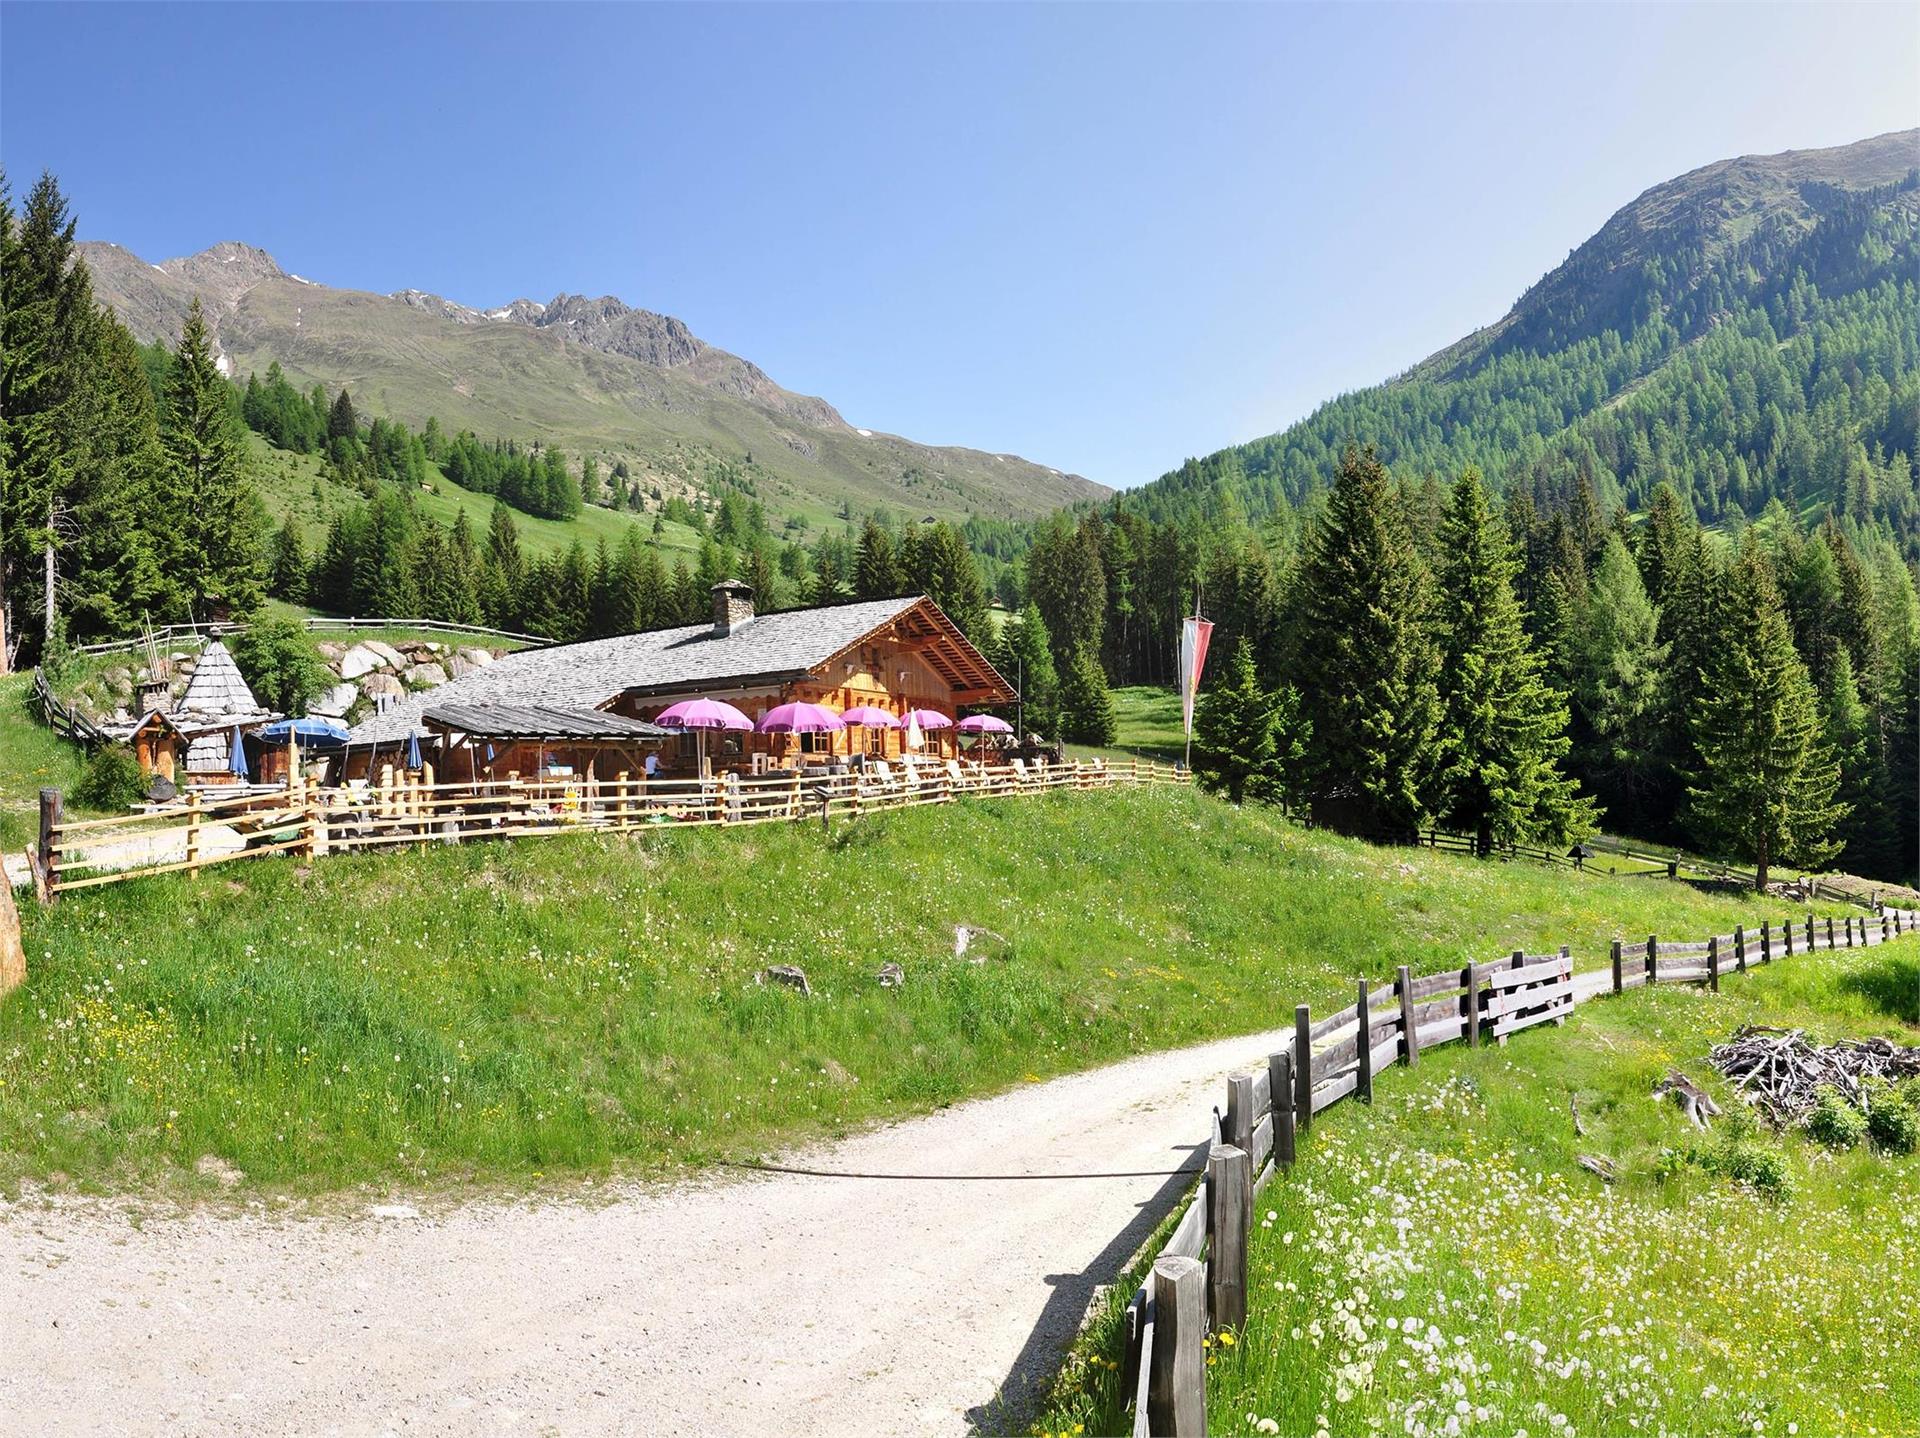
x,y
1194,634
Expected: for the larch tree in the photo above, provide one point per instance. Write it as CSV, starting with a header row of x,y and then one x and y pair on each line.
x,y
876,565
1767,778
1503,732
1366,662
1086,705
1618,666
1024,657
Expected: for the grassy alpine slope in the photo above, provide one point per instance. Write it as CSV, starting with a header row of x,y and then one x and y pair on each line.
x,y
574,1005
1439,1263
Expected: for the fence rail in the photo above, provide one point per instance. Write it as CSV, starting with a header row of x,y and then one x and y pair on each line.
x,y
1198,1281
315,624
410,808
69,723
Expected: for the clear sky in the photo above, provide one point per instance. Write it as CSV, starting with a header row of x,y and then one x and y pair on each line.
x,y
1104,238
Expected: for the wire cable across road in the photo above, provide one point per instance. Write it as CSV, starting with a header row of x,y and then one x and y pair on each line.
x,y
963,1177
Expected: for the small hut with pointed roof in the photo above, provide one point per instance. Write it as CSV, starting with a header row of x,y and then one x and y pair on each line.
x,y
193,742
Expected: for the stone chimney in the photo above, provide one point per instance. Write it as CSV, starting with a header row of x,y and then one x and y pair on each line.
x,y
732,606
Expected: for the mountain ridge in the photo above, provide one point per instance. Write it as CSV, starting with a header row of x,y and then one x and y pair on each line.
x,y
593,375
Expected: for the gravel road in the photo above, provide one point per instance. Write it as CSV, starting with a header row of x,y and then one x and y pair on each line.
x,y
754,1303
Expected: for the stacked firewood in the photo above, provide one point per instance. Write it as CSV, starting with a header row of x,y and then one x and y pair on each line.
x,y
1781,1071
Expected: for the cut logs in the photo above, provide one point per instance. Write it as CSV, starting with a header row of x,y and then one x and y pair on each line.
x,y
1781,1071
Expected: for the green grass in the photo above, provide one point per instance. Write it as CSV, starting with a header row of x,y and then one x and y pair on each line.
x,y
296,484
1443,1247
574,1005
32,758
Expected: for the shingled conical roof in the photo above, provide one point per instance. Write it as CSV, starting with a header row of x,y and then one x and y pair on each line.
x,y
217,687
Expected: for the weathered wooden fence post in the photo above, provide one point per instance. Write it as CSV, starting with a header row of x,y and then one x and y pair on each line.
x,y
1653,958
1280,1082
1177,1375
1470,981
1619,970
1766,941
1811,945
1230,1195
1786,932
193,831
1740,948
1713,963
1303,1067
1363,1049
13,949
1409,1036
1239,1129
50,810
1830,942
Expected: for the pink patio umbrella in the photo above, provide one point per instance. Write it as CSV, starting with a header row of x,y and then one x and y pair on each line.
x,y
984,724
798,718
927,719
870,716
701,715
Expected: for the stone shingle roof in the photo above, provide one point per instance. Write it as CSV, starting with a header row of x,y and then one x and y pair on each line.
x,y
572,676
217,686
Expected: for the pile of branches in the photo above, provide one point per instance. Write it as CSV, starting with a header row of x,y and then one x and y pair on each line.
x,y
1781,1071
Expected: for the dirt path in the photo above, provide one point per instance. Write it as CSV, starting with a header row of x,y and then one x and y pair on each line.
x,y
762,1303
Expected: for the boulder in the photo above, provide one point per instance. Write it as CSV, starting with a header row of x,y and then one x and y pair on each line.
x,y
335,701
376,685
331,650
478,658
459,666
386,652
361,659
425,676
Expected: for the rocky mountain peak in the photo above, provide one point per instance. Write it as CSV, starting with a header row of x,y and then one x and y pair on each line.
x,y
224,272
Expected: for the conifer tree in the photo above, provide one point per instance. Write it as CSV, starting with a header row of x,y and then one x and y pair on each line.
x,y
1366,663
1866,832
1249,740
1503,731
1024,657
876,568
1767,777
1086,706
288,577
217,520
1618,670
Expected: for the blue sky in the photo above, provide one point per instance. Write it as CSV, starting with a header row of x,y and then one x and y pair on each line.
x,y
1105,238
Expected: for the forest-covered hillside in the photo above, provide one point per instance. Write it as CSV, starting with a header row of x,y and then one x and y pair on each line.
x,y
1746,332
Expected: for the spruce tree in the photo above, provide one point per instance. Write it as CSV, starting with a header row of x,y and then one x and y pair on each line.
x,y
1366,663
1024,657
1086,707
1618,669
1767,777
288,577
1503,731
1866,834
1248,739
216,515
876,568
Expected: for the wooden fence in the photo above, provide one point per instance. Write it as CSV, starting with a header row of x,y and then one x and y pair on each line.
x,y
404,808
315,624
69,723
1198,1282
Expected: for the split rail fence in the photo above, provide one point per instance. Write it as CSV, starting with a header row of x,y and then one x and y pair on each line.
x,y
405,808
1198,1282
168,634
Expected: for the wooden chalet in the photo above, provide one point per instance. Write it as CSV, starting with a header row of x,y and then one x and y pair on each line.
x,y
893,654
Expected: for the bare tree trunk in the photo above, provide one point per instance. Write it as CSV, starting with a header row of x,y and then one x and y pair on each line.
x,y
1760,866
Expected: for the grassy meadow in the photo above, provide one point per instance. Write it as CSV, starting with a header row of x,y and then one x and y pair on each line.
x,y
32,758
514,1011
1438,1262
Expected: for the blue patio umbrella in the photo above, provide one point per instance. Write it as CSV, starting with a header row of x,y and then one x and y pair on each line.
x,y
237,760
413,751
309,733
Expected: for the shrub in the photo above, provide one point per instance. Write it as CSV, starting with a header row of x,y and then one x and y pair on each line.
x,y
111,779
1891,1121
280,664
1835,1122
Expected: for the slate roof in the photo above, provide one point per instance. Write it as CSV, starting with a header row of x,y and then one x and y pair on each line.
x,y
769,647
536,721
